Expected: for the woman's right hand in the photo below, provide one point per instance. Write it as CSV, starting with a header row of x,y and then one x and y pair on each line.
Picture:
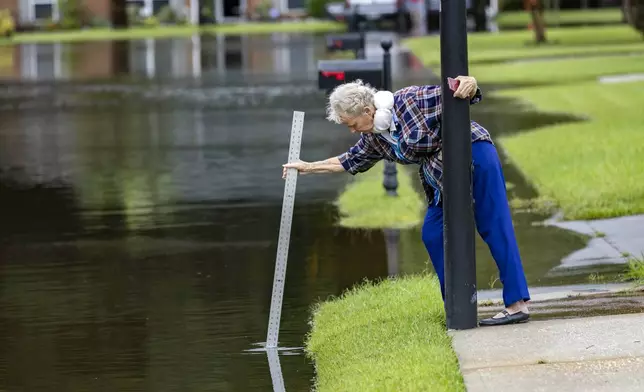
x,y
467,87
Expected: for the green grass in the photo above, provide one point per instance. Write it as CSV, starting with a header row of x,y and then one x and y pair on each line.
x,y
515,45
6,59
557,71
590,169
635,271
103,34
365,204
389,336
514,19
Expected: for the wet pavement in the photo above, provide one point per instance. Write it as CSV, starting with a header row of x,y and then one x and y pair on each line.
x,y
573,301
615,241
140,196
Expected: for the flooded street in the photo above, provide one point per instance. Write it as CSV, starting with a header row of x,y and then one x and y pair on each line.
x,y
140,200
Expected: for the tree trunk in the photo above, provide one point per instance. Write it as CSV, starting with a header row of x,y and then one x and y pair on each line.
x,y
480,18
120,57
538,21
639,16
119,14
634,13
627,15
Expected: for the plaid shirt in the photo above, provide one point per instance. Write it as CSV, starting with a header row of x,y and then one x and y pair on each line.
x,y
417,111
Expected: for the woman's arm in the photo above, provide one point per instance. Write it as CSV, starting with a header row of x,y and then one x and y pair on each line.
x,y
359,158
331,165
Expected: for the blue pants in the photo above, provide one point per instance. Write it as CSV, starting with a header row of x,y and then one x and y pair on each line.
x,y
493,222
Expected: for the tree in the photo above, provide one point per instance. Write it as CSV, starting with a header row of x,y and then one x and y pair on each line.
x,y
535,7
480,17
634,13
119,13
640,16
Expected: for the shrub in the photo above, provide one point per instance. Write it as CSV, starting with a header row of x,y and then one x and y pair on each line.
x,y
150,21
317,8
72,14
133,15
166,15
263,9
7,24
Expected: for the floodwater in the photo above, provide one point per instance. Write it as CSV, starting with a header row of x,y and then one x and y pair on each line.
x,y
140,200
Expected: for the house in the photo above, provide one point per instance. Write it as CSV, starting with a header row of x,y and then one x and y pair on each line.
x,y
33,11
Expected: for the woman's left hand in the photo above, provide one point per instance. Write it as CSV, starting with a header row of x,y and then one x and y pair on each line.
x,y
467,87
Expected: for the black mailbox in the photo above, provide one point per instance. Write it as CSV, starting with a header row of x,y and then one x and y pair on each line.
x,y
332,73
349,41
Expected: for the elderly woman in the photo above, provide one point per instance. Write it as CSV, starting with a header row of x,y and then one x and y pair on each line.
x,y
405,127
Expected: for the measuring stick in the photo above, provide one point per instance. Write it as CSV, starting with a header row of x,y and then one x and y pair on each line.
x,y
285,232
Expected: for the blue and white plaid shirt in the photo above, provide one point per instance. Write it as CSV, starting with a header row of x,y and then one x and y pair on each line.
x,y
418,134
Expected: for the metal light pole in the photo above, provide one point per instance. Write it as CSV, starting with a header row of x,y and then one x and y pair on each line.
x,y
360,53
194,12
460,263
390,181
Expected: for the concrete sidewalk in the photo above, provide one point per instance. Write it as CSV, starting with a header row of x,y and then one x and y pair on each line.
x,y
585,354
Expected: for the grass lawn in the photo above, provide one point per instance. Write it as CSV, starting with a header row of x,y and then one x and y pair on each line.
x,y
102,34
557,71
389,336
365,204
6,59
514,19
591,169
635,271
514,45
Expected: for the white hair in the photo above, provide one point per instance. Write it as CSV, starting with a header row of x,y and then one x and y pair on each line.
x,y
349,100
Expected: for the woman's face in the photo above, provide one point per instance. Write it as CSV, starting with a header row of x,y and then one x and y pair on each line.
x,y
362,123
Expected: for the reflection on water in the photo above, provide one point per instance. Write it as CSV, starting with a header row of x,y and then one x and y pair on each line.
x,y
276,370
140,196
392,244
161,59
274,57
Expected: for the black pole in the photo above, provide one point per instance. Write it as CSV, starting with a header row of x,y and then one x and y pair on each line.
x,y
460,263
360,52
390,181
353,23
